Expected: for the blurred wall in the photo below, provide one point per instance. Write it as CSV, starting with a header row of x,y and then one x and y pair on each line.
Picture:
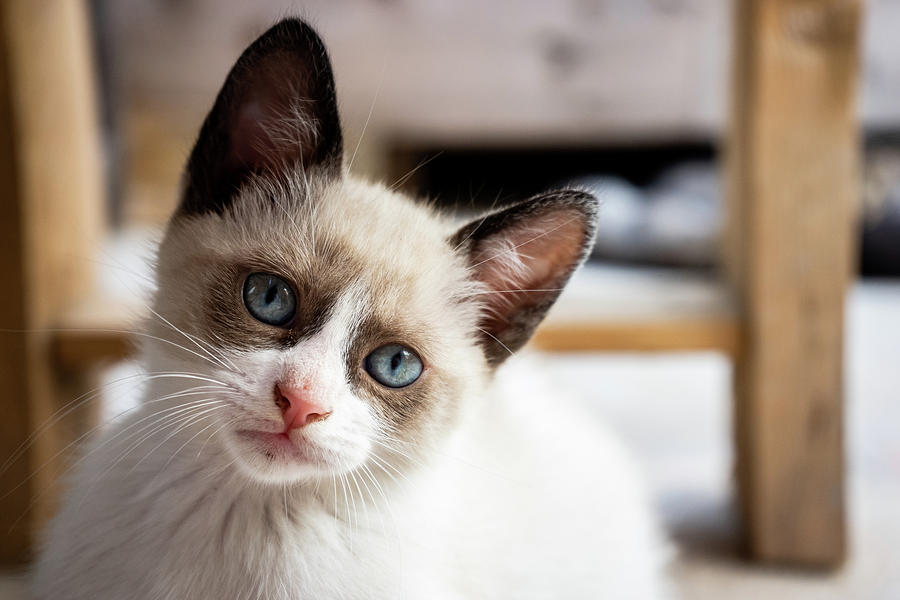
x,y
445,73
525,73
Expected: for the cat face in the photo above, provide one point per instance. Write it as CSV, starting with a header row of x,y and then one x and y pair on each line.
x,y
350,325
367,270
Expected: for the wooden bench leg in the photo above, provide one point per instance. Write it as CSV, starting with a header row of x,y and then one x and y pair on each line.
x,y
51,213
793,156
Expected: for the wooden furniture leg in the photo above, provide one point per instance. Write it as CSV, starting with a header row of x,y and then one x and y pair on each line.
x,y
51,211
793,156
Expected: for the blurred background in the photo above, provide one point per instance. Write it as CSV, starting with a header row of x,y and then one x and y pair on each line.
x,y
739,320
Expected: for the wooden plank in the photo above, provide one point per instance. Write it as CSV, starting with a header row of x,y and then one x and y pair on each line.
x,y
92,333
622,309
52,212
793,175
718,334
80,349
13,309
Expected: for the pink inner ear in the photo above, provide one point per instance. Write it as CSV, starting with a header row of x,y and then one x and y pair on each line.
x,y
274,126
525,264
267,136
251,146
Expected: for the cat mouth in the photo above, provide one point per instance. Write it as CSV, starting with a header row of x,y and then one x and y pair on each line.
x,y
278,445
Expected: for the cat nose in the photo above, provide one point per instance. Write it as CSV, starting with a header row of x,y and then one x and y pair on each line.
x,y
297,410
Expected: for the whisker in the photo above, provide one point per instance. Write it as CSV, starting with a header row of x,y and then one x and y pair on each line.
x,y
368,117
187,422
489,334
392,449
83,399
366,485
380,490
212,356
344,488
116,264
46,489
367,473
54,418
334,495
224,425
189,375
85,435
181,447
456,458
471,233
361,499
176,415
412,171
513,291
382,463
139,334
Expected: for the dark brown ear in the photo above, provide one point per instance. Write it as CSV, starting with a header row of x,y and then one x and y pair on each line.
x,y
276,111
523,256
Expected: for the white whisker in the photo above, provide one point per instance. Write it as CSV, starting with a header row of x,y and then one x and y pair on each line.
x,y
489,334
368,117
212,356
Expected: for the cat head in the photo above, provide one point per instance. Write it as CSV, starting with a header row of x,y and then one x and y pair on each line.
x,y
344,323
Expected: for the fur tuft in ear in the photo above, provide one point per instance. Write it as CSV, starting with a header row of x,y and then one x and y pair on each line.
x,y
276,111
523,256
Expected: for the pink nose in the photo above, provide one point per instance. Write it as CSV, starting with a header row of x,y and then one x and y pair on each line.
x,y
297,410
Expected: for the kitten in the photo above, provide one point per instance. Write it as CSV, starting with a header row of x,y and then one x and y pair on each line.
x,y
322,418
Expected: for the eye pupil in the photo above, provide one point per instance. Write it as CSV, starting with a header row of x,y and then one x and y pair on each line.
x,y
393,365
269,299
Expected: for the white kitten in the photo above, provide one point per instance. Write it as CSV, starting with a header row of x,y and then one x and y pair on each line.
x,y
325,415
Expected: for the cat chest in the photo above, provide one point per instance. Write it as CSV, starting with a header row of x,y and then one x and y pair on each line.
x,y
286,555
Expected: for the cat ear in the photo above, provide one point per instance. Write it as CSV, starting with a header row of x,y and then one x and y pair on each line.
x,y
523,256
277,110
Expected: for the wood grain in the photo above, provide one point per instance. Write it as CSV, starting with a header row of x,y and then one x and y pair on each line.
x,y
717,334
793,157
52,212
15,419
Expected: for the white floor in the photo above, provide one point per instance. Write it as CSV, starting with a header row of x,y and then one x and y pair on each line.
x,y
674,412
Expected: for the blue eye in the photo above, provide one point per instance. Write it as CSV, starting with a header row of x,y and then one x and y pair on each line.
x,y
269,299
394,365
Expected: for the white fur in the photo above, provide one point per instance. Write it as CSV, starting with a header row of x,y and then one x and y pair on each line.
x,y
458,486
528,499
511,493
